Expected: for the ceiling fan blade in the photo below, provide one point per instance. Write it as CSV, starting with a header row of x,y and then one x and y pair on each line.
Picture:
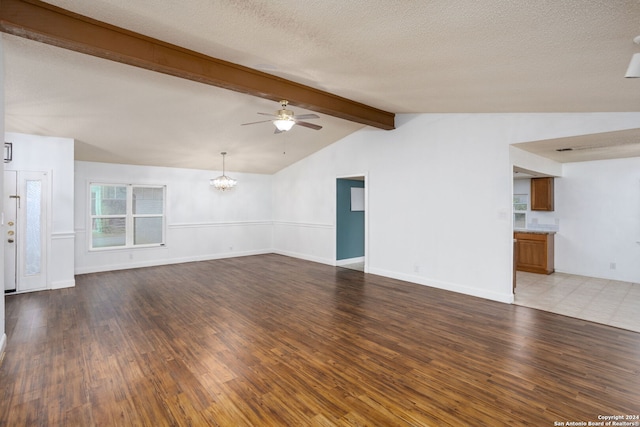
x,y
307,116
308,125
253,123
284,114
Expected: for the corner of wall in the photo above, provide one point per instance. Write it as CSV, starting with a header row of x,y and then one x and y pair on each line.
x,y
507,298
3,346
61,284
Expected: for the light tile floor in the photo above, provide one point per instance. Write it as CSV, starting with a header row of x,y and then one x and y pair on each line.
x,y
610,302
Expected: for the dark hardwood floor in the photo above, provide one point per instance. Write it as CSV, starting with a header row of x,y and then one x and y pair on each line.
x,y
270,340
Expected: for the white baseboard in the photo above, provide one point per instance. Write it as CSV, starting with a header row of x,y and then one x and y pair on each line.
x,y
453,287
154,263
494,296
305,257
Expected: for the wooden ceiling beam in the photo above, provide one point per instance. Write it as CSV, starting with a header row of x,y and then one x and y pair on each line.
x,y
49,24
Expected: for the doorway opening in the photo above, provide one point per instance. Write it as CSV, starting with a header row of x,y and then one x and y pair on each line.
x,y
351,222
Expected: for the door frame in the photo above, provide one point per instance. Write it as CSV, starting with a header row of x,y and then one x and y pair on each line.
x,y
45,223
365,177
9,222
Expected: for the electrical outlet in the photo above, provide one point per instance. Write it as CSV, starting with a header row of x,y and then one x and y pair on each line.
x,y
612,265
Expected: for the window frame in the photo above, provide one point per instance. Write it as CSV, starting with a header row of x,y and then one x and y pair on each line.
x,y
520,200
129,217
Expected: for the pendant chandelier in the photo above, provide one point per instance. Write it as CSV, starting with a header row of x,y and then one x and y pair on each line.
x,y
223,182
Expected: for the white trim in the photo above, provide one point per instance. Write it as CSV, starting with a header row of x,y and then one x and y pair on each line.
x,y
168,261
181,225
364,175
353,175
129,216
305,257
453,287
217,224
303,224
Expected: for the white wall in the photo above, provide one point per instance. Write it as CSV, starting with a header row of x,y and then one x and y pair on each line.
x,y
54,156
439,201
534,162
599,206
439,195
425,218
202,223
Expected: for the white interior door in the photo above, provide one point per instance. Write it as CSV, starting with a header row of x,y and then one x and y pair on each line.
x,y
26,200
10,226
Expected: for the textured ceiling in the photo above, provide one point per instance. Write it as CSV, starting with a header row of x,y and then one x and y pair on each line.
x,y
123,114
399,56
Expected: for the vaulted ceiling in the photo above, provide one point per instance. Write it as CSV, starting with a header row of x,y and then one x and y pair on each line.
x,y
435,56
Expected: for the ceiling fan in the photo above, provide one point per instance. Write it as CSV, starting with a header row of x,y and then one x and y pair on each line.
x,y
284,119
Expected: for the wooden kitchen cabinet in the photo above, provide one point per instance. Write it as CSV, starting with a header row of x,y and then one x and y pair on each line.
x,y
534,252
542,194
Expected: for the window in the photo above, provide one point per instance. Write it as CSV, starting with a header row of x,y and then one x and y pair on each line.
x,y
126,216
520,202
520,207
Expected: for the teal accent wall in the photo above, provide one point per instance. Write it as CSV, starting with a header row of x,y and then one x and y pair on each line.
x,y
349,224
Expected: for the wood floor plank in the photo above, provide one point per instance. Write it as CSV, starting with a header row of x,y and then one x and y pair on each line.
x,y
274,341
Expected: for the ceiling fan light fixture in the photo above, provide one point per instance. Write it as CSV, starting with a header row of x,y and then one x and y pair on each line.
x,y
284,125
634,66
223,182
284,119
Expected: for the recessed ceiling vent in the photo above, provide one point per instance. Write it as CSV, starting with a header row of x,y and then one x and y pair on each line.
x,y
598,147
